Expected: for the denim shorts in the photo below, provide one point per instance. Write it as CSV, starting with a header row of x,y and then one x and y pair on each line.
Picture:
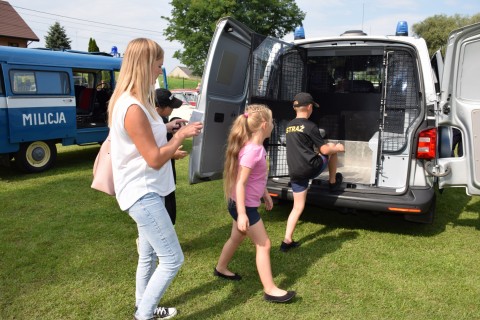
x,y
302,184
252,212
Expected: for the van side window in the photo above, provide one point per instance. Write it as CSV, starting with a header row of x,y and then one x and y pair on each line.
x,y
39,82
468,76
84,90
23,82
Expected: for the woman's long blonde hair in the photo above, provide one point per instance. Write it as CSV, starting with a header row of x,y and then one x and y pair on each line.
x,y
136,74
240,133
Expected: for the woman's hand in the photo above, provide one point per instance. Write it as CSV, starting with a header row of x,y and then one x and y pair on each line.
x,y
190,130
179,153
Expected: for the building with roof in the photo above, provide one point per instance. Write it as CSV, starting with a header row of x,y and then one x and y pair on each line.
x,y
182,72
14,31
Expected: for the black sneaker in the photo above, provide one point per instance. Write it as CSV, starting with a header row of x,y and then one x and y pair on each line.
x,y
284,247
164,313
338,182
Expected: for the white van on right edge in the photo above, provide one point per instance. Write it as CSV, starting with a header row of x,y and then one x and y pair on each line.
x,y
378,95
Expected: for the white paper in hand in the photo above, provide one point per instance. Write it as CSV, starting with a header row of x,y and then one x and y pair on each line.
x,y
196,116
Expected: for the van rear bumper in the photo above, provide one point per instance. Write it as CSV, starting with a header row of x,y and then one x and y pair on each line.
x,y
414,201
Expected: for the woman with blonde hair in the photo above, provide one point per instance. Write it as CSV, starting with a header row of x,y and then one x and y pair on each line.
x,y
245,178
143,175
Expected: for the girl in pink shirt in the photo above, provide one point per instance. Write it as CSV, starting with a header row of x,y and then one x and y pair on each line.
x,y
245,180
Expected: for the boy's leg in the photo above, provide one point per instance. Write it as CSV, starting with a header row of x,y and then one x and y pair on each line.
x,y
335,178
332,167
299,199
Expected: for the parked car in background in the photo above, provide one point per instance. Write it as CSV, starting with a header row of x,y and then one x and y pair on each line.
x,y
191,95
185,110
180,96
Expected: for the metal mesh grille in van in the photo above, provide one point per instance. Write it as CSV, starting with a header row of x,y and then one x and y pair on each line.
x,y
277,71
277,150
401,100
292,76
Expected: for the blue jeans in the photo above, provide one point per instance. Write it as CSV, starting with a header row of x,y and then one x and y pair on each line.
x,y
156,239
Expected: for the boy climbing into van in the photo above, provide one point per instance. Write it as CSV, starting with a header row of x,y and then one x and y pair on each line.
x,y
307,156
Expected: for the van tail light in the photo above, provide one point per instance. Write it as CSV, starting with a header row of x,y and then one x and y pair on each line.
x,y
427,144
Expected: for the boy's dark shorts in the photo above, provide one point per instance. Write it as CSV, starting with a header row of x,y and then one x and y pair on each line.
x,y
302,185
252,212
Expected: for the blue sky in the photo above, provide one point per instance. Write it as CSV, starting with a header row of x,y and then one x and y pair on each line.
x,y
115,22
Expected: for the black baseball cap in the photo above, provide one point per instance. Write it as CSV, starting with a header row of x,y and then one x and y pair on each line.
x,y
304,99
164,98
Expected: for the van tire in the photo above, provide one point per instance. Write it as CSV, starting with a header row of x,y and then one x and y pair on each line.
x,y
426,218
35,156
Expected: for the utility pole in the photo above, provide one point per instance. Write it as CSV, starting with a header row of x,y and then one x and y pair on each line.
x,y
363,13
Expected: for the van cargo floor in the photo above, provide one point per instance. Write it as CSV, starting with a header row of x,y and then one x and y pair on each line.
x,y
351,174
357,175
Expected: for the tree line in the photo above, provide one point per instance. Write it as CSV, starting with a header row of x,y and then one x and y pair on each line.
x,y
193,22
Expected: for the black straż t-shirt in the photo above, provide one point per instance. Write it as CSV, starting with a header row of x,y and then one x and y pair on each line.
x,y
303,145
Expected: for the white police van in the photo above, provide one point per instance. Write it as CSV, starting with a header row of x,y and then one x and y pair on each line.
x,y
49,97
378,95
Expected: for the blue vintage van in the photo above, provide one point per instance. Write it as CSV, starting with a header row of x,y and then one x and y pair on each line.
x,y
52,97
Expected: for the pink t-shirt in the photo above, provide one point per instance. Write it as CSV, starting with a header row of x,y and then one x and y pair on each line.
x,y
254,156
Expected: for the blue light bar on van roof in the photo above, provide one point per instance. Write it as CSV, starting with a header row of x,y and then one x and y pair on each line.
x,y
402,28
299,33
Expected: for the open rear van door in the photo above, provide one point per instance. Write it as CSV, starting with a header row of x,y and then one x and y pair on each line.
x,y
460,107
223,96
437,65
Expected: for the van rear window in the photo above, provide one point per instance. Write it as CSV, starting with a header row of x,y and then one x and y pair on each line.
x,y
39,82
356,73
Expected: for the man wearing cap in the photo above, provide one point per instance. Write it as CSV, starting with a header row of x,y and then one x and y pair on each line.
x,y
307,156
165,103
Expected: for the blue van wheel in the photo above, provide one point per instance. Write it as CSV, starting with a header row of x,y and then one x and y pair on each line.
x,y
36,156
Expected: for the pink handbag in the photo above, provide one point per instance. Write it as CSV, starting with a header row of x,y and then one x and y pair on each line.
x,y
102,170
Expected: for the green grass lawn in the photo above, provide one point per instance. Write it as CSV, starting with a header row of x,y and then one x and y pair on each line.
x,y
180,83
68,252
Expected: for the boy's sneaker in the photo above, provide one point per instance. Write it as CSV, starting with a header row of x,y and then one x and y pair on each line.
x,y
338,182
164,313
284,247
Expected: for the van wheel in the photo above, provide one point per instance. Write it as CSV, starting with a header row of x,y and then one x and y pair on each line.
x,y
36,156
426,218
